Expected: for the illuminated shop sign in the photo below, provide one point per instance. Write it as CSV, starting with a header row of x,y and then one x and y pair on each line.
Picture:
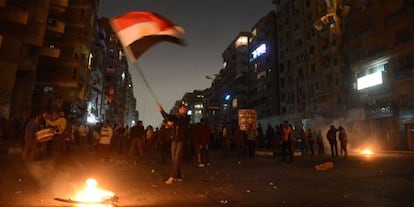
x,y
259,51
371,76
369,80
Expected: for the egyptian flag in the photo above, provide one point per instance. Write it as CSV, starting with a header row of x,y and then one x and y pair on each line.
x,y
139,30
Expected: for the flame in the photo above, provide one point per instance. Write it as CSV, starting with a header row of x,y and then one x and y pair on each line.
x,y
92,196
367,152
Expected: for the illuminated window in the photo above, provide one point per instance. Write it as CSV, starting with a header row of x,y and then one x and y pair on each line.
x,y
261,75
235,103
224,64
225,106
198,106
241,41
254,32
47,89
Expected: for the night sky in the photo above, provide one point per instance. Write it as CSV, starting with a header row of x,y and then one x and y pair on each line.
x,y
172,70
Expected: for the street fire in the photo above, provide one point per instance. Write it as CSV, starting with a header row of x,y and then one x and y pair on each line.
x,y
92,196
367,152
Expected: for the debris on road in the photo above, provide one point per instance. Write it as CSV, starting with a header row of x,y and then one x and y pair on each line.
x,y
324,166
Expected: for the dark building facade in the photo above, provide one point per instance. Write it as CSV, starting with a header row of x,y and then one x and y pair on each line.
x,y
56,56
264,92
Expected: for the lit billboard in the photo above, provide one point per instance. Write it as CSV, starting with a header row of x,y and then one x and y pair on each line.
x,y
369,80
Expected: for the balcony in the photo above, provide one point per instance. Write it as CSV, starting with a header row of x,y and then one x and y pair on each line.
x,y
402,73
50,52
10,50
60,3
55,25
14,14
58,8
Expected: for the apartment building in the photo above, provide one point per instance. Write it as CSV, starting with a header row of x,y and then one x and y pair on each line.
x,y
312,77
54,55
62,76
264,92
379,39
229,90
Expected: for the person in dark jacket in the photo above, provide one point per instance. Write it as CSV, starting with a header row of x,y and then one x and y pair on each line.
x,y
180,123
137,134
163,144
331,136
201,141
30,143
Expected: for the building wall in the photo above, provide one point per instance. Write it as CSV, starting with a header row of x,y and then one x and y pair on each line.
x,y
22,32
62,75
313,79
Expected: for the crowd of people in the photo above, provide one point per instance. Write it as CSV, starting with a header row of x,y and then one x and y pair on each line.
x,y
176,140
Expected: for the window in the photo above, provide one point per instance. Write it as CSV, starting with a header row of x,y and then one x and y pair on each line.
x,y
241,41
261,75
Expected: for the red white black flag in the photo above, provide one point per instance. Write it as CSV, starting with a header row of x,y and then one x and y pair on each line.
x,y
139,30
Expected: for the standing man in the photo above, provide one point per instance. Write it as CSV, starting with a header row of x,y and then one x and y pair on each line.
x,y
251,140
331,136
319,142
287,140
104,147
343,140
30,143
181,122
225,142
61,133
164,141
137,134
83,131
201,141
311,141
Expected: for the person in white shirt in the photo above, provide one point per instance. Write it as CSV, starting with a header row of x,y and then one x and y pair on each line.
x,y
61,133
104,147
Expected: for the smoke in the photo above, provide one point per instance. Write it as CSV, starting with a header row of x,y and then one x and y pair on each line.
x,y
60,181
359,134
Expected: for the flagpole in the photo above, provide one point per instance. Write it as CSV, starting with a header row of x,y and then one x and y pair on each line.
x,y
146,82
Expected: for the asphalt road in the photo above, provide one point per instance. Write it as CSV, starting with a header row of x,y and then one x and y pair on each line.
x,y
385,179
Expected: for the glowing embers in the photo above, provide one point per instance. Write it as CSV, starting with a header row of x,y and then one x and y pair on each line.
x,y
92,196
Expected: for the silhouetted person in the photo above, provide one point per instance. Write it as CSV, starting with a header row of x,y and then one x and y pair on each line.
x,y
343,140
331,136
287,141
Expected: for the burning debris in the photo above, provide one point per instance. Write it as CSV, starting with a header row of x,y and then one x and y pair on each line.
x,y
92,196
